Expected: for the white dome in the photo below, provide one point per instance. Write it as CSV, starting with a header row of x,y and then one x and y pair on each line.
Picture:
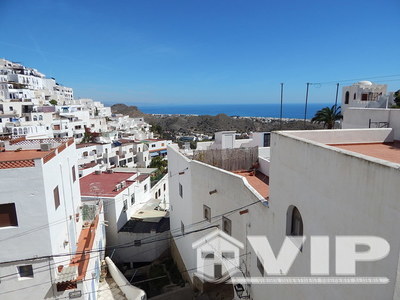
x,y
365,82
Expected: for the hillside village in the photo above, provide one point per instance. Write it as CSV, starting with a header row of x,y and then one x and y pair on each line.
x,y
98,205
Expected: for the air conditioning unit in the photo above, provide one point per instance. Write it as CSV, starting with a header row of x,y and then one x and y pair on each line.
x,y
97,172
45,147
110,171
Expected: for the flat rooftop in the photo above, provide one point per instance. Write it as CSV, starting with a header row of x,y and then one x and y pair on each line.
x,y
103,185
22,155
259,181
385,151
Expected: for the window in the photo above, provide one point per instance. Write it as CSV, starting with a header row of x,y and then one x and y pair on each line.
x,y
354,96
346,98
145,188
267,139
226,225
260,266
181,190
182,228
153,145
73,174
25,271
207,213
165,186
56,195
125,208
8,215
294,224
364,97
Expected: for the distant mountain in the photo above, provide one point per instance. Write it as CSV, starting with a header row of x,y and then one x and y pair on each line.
x,y
206,124
131,111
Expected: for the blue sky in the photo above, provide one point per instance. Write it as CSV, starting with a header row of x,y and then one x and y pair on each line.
x,y
204,51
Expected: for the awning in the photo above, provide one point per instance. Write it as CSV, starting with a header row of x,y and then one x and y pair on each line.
x,y
69,273
152,154
163,151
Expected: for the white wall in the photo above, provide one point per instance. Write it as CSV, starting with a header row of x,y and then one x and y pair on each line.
x,y
359,118
337,194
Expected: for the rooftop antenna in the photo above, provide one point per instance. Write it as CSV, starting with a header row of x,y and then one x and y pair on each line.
x,y
337,93
305,108
280,115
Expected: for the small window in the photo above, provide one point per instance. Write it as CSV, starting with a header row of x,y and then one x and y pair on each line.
x,y
260,266
207,213
73,174
8,215
294,222
182,228
165,186
364,97
181,190
125,208
56,195
346,98
354,96
152,146
145,188
25,271
227,225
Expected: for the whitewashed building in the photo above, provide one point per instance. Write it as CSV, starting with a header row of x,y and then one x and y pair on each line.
x,y
130,212
47,234
326,182
366,94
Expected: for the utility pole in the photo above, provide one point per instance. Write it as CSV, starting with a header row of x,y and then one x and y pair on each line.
x,y
305,108
337,93
280,116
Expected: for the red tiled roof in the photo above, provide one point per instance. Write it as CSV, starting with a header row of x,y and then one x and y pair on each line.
x,y
85,244
84,145
125,141
142,177
103,185
22,155
17,164
25,158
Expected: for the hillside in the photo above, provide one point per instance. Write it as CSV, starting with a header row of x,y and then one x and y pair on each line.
x,y
186,125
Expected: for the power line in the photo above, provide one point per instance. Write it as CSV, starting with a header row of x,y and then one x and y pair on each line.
x,y
357,79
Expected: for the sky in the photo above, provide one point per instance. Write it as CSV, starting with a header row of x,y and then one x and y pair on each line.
x,y
204,51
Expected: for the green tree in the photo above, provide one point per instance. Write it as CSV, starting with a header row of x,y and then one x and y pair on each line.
x,y
53,102
160,163
328,116
156,128
397,98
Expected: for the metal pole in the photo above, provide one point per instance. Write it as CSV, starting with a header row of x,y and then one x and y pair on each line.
x,y
280,115
305,108
337,93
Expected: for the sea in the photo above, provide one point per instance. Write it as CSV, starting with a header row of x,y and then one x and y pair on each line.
x,y
269,110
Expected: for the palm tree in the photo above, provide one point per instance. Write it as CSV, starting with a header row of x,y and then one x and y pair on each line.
x,y
328,116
